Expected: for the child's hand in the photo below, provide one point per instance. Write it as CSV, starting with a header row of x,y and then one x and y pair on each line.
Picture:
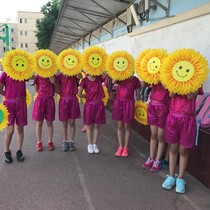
x,y
52,79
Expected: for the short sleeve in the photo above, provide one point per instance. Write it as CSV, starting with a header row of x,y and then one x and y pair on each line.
x,y
3,78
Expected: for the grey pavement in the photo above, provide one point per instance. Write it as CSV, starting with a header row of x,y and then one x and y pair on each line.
x,y
56,180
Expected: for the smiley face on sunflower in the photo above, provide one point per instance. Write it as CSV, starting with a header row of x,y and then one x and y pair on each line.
x,y
19,65
94,60
120,65
140,113
70,62
46,65
184,71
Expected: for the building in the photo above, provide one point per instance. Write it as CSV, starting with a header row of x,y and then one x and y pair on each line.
x,y
22,33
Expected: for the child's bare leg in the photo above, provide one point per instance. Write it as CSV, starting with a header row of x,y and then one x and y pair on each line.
x,y
127,134
39,130
161,144
184,154
50,130
64,130
153,140
20,137
89,133
120,133
95,133
174,149
8,137
72,129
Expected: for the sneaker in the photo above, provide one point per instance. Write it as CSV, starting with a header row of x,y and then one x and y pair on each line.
x,y
8,157
84,129
169,182
39,146
119,152
148,164
65,146
125,152
50,145
95,149
19,155
90,148
71,146
165,163
180,185
156,166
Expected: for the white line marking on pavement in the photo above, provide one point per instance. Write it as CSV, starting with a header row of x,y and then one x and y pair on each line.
x,y
84,185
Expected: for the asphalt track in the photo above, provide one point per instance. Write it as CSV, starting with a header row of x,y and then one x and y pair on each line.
x,y
79,181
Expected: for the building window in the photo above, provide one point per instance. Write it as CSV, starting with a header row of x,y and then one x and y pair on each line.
x,y
25,20
12,30
26,33
21,21
26,45
4,41
12,40
21,45
21,33
13,48
4,49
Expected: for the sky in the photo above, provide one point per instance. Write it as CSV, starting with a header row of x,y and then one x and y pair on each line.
x,y
9,8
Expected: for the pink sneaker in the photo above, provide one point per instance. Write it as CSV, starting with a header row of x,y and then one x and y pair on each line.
x,y
50,146
148,164
125,152
39,146
119,152
156,166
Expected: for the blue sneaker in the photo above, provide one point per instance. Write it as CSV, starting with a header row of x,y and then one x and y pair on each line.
x,y
180,185
169,182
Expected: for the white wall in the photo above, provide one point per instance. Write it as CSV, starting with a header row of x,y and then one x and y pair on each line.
x,y
194,33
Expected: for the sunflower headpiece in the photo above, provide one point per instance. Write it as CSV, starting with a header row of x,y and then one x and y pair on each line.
x,y
19,65
46,65
94,60
70,62
150,64
140,114
4,115
28,98
184,71
120,65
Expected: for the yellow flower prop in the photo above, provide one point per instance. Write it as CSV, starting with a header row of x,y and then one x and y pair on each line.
x,y
19,65
120,65
70,62
46,65
184,71
28,98
35,96
138,62
150,65
4,115
105,99
140,114
94,60
1,60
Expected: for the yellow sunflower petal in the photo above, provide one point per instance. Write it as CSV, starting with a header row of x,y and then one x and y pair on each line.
x,y
28,98
106,93
4,116
70,62
140,114
19,65
94,60
120,65
46,65
184,71
151,64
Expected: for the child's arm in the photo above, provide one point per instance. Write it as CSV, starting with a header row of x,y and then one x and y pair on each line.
x,y
79,76
52,79
80,94
192,95
2,89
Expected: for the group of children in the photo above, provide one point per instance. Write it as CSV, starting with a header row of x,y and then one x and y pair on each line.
x,y
171,117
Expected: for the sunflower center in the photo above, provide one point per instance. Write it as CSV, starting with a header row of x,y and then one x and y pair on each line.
x,y
20,63
70,61
95,60
45,62
121,64
153,65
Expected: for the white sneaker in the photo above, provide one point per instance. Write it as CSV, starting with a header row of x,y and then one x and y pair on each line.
x,y
90,149
95,148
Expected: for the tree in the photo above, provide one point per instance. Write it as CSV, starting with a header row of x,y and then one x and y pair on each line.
x,y
45,26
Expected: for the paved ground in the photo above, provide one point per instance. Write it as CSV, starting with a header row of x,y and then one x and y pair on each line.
x,y
80,181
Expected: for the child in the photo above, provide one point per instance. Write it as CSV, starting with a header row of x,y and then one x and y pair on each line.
x,y
123,111
69,109
94,111
180,133
15,101
44,108
157,113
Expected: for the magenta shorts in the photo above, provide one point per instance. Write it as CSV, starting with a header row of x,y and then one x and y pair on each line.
x,y
157,114
181,129
68,108
94,113
123,110
17,111
44,108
